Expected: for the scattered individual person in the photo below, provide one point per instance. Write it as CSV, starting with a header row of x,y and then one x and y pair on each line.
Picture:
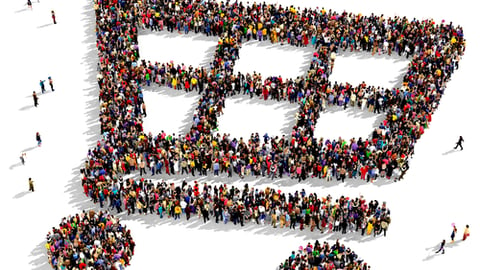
x,y
442,247
466,233
22,158
53,17
50,82
42,86
30,185
29,4
39,139
35,99
454,232
459,143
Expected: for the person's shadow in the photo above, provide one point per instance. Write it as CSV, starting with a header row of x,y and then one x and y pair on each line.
x,y
450,152
21,194
27,107
13,166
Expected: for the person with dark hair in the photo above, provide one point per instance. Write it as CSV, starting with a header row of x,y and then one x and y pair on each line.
x,y
39,139
30,185
53,17
42,86
459,143
442,247
35,99
466,232
50,82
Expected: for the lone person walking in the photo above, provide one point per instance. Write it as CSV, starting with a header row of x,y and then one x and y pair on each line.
x,y
42,85
53,17
466,233
30,185
35,99
39,139
459,143
442,247
50,81
454,232
22,158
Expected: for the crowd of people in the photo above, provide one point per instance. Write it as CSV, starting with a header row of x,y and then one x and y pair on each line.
x,y
435,50
229,204
323,256
93,240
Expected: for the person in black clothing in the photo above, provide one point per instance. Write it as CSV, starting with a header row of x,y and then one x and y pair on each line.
x,y
459,143
35,99
205,215
39,139
442,247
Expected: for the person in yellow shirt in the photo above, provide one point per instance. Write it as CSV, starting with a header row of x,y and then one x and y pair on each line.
x,y
369,227
177,212
453,40
192,167
273,36
194,82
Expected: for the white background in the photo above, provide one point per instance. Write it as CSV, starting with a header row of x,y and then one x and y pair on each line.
x,y
440,188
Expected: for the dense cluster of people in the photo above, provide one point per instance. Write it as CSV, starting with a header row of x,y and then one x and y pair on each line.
x,y
435,50
93,240
324,256
229,204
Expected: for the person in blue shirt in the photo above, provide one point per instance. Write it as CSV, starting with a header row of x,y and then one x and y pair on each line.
x,y
42,85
